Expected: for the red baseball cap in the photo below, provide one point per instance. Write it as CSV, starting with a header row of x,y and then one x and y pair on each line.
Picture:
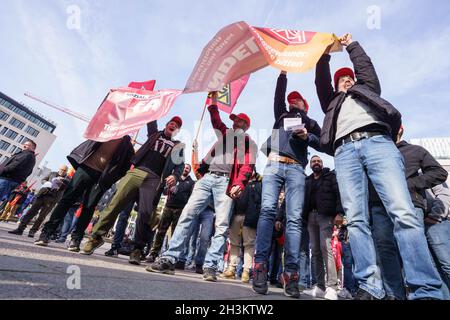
x,y
241,116
296,95
177,120
342,72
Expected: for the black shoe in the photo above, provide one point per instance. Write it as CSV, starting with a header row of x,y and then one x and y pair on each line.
x,y
113,252
363,295
43,240
162,266
209,274
135,257
18,232
290,284
31,234
53,237
180,265
74,246
259,283
199,268
59,240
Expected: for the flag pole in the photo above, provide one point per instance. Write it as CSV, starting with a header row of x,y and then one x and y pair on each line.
x,y
201,121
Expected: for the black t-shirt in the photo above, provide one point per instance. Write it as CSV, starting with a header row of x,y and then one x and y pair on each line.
x,y
314,188
155,159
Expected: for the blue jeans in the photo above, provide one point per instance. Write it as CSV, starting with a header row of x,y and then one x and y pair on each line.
x,y
378,158
203,224
305,278
438,236
121,226
6,186
210,189
69,223
347,261
292,177
387,253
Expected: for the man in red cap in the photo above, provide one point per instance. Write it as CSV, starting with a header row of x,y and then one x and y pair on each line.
x,y
226,171
158,163
359,130
287,150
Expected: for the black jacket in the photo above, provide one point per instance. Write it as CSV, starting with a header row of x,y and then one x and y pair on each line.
x,y
183,191
249,203
119,164
328,200
432,173
19,166
367,89
283,142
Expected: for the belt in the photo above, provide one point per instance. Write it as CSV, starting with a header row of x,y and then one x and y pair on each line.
x,y
218,173
277,158
356,136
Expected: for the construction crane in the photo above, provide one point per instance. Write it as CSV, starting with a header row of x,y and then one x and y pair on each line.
x,y
79,116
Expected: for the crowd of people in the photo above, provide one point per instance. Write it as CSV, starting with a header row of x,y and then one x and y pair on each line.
x,y
376,227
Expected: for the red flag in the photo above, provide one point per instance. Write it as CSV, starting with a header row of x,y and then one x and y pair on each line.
x,y
229,95
126,110
147,85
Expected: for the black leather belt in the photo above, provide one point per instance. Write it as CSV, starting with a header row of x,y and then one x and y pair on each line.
x,y
221,174
356,136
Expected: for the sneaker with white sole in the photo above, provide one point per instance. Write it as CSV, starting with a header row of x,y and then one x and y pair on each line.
x,y
315,292
331,294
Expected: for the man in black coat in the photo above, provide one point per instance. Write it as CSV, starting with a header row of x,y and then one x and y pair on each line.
x,y
16,169
360,130
322,211
98,166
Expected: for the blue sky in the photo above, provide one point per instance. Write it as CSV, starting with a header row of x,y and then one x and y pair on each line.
x,y
119,42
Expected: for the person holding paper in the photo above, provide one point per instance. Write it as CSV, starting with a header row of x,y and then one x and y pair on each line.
x,y
287,150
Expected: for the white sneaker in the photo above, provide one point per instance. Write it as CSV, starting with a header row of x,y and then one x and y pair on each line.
x,y
330,294
315,292
344,294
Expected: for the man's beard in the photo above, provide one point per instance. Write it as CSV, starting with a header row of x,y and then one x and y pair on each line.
x,y
317,169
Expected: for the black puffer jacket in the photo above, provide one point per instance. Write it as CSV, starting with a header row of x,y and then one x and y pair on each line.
x,y
328,200
19,166
367,89
249,203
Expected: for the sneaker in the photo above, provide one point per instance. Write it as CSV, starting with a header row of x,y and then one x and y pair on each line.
x,y
162,265
74,246
151,258
199,268
92,244
245,278
315,292
180,265
363,295
345,294
113,252
59,240
230,273
135,257
259,284
209,274
331,294
290,284
17,231
31,234
42,241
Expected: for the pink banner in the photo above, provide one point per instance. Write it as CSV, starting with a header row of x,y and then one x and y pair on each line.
x,y
126,110
228,96
146,85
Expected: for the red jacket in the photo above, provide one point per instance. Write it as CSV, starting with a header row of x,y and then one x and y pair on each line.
x,y
244,162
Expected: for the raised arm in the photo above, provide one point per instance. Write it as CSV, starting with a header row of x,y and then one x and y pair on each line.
x,y
364,69
279,103
216,121
324,87
152,127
